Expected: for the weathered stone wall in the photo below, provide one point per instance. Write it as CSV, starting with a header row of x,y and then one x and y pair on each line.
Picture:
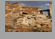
x,y
50,6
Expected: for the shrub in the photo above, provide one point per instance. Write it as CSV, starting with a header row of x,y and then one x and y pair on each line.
x,y
33,29
44,31
9,26
46,16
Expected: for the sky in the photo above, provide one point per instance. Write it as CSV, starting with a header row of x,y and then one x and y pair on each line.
x,y
41,4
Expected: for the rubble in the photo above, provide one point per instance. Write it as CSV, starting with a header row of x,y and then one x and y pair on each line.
x,y
22,15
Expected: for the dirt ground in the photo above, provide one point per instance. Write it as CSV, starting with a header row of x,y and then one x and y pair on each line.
x,y
28,29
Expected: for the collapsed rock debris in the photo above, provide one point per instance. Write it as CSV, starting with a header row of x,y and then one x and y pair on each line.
x,y
20,17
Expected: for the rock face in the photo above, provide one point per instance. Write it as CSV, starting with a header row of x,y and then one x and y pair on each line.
x,y
17,15
50,5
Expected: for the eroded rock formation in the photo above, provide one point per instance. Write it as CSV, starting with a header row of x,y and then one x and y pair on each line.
x,y
21,15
